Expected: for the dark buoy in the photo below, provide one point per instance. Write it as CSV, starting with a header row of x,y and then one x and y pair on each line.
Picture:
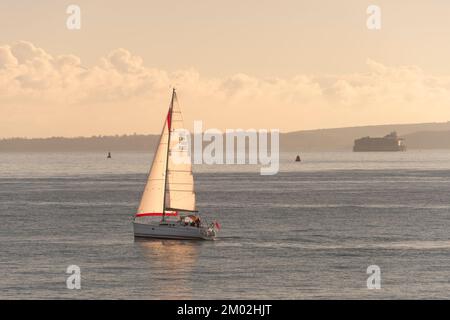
x,y
298,159
109,155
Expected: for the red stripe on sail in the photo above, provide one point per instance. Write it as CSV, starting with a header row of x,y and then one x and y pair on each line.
x,y
156,214
169,120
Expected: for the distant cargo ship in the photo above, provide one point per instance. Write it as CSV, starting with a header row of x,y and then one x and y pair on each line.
x,y
389,142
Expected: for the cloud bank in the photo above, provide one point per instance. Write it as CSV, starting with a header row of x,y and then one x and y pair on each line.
x,y
43,94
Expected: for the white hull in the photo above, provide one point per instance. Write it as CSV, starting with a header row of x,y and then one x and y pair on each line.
x,y
172,230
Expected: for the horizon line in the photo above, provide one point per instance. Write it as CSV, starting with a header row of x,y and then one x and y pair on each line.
x,y
157,134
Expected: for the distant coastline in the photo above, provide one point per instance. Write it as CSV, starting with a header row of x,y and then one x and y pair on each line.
x,y
417,136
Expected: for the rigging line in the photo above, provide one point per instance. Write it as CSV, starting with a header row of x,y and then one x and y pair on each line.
x,y
169,120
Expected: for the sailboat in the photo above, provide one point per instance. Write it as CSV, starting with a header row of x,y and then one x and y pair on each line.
x,y
169,192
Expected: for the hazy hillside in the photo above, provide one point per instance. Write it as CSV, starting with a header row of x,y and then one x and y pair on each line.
x,y
342,138
97,143
417,136
428,140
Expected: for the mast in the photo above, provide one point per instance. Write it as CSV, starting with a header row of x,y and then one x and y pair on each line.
x,y
169,120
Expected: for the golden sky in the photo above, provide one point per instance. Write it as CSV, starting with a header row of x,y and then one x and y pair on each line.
x,y
291,65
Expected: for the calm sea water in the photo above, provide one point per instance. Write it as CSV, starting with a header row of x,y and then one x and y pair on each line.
x,y
310,231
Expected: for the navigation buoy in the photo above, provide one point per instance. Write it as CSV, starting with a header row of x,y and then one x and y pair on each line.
x,y
298,159
109,155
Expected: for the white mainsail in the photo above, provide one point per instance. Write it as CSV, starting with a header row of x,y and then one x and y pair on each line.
x,y
171,172
180,193
152,202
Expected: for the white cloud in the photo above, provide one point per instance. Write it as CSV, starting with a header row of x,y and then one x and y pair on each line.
x,y
25,52
123,61
7,59
60,86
